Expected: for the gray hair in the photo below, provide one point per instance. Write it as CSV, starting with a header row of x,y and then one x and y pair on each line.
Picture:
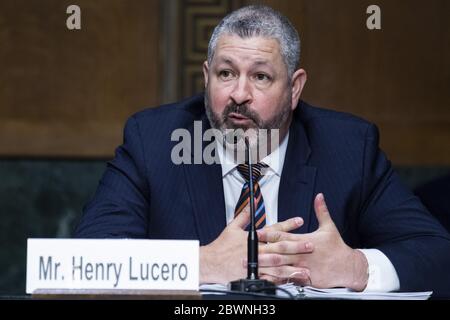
x,y
258,20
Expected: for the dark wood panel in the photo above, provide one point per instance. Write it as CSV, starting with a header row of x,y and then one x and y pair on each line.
x,y
397,77
68,93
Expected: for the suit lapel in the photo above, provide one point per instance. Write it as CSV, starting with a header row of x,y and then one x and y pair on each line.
x,y
205,188
295,196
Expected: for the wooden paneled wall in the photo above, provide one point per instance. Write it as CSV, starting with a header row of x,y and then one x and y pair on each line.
x,y
397,77
68,93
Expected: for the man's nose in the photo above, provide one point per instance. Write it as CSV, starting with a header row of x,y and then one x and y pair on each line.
x,y
241,93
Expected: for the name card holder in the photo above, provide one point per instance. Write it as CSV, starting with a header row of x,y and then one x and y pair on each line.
x,y
112,269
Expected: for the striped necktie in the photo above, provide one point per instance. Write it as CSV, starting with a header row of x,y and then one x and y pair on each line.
x,y
244,199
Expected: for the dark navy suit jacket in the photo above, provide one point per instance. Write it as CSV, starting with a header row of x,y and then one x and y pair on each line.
x,y
143,194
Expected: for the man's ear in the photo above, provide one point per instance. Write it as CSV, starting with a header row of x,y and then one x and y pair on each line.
x,y
298,82
205,72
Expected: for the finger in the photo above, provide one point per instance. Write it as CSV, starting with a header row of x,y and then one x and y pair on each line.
x,y
286,226
320,207
275,259
287,247
275,236
287,273
242,219
271,260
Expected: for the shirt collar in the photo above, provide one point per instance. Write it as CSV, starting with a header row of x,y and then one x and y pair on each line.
x,y
275,160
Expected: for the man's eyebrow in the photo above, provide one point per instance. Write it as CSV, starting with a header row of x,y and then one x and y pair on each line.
x,y
261,63
264,63
229,61
226,60
258,62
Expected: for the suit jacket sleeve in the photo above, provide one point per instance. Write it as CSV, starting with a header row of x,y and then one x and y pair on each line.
x,y
394,221
119,208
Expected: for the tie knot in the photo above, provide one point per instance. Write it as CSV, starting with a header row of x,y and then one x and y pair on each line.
x,y
257,171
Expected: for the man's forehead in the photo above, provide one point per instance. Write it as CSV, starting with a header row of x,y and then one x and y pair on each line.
x,y
224,58
261,50
257,43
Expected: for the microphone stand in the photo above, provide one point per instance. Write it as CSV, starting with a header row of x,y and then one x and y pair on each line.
x,y
252,283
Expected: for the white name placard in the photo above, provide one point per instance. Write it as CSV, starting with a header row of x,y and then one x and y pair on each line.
x,y
112,264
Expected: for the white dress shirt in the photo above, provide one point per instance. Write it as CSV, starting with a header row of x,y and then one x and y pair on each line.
x,y
382,274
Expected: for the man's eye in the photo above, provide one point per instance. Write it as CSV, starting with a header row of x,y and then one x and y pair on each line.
x,y
262,77
225,74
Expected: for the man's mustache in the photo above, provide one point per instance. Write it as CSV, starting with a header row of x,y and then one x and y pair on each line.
x,y
241,109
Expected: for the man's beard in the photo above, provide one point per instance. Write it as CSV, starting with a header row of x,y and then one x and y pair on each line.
x,y
223,122
263,136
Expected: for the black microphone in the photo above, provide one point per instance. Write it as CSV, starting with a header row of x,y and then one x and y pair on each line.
x,y
252,283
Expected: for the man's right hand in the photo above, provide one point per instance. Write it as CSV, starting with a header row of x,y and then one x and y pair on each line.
x,y
221,261
225,259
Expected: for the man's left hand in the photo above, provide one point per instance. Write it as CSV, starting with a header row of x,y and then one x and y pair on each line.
x,y
331,263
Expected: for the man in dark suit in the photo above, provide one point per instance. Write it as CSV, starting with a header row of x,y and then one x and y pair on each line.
x,y
434,195
370,233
